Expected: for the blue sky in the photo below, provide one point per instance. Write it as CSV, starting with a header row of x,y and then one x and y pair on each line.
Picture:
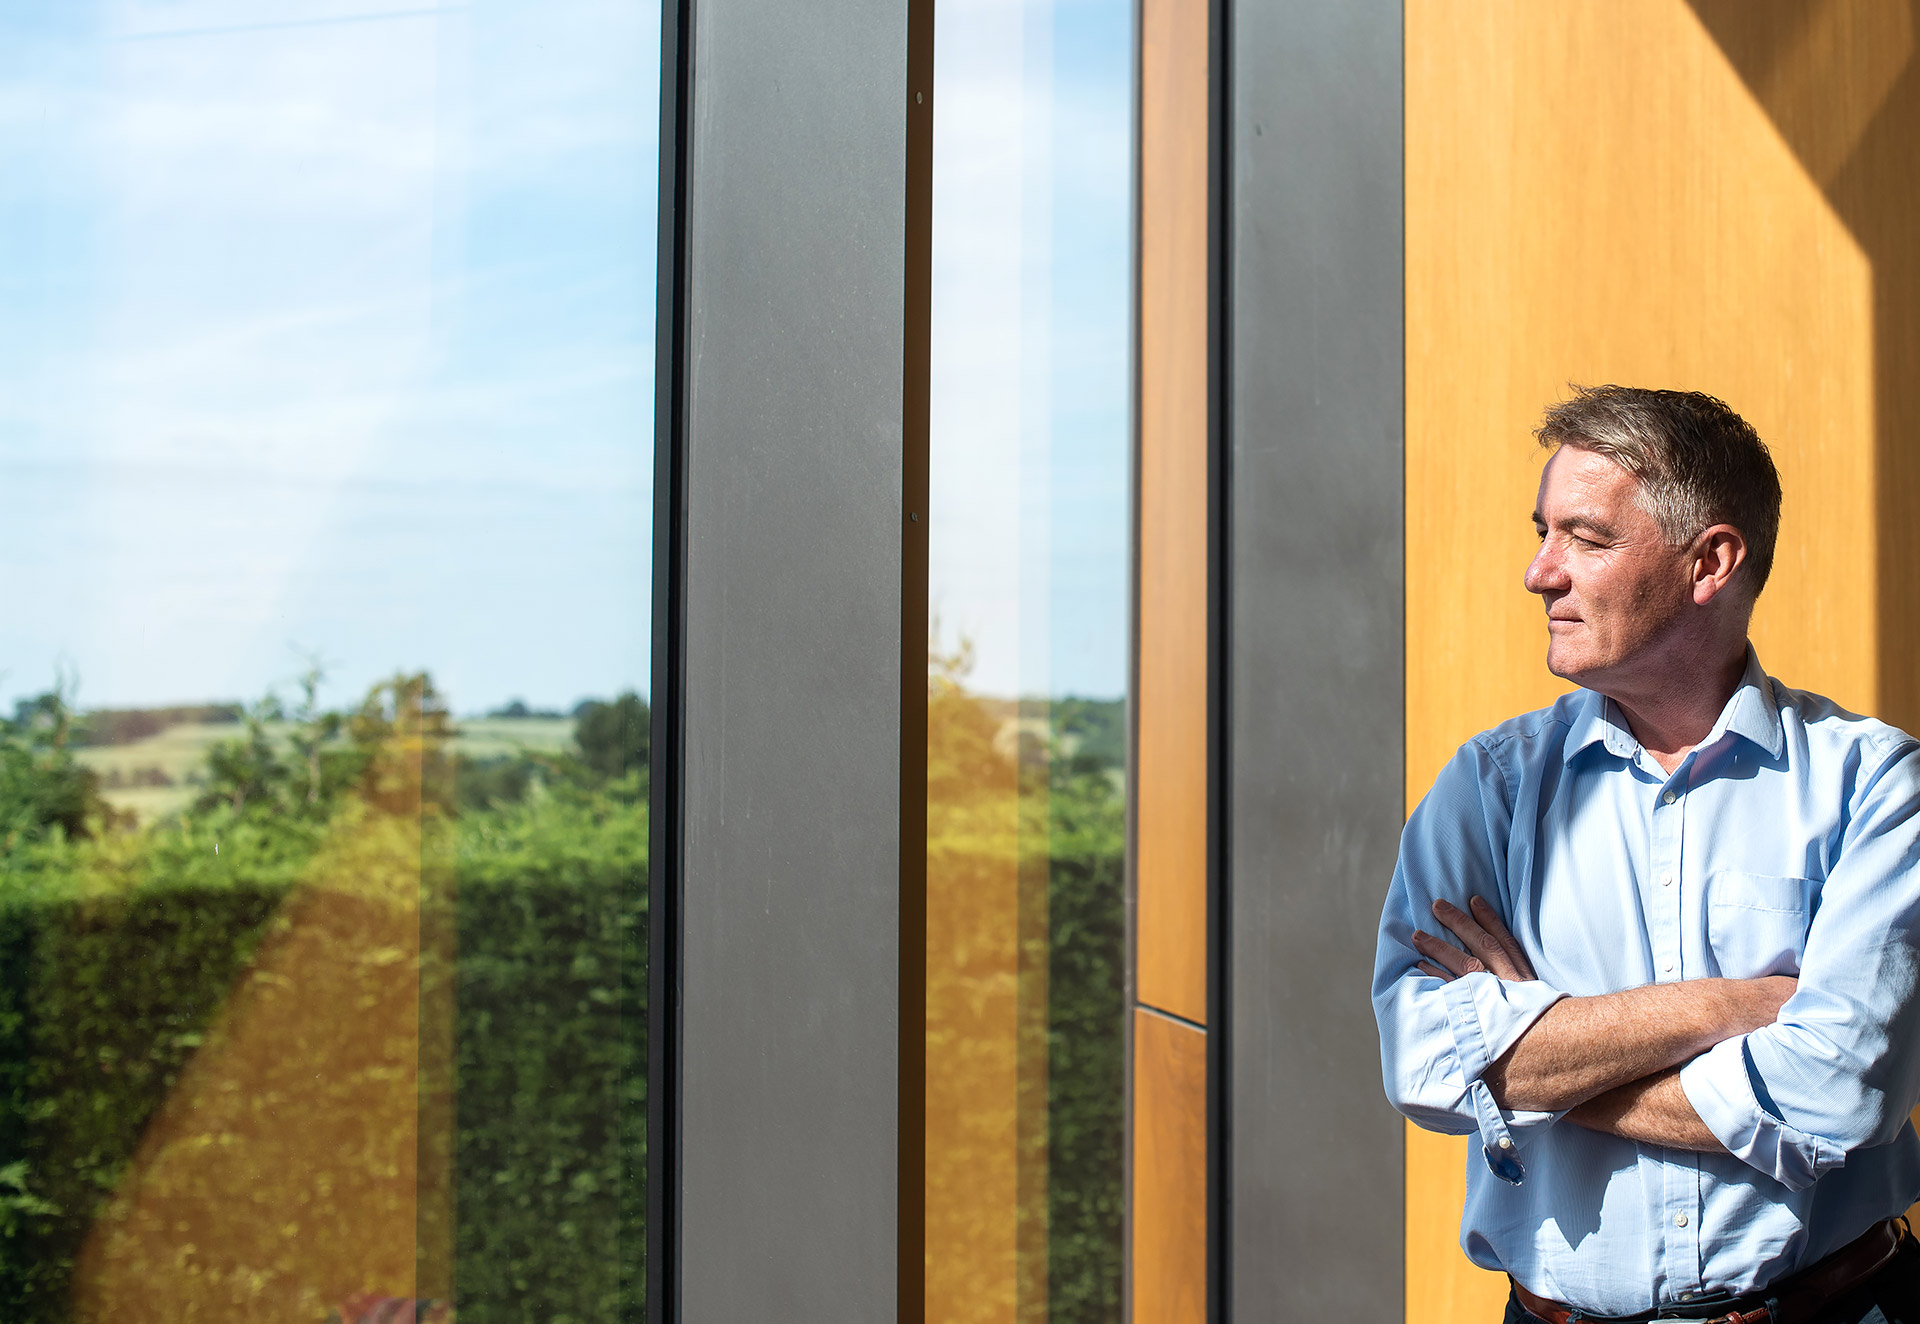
x,y
326,328
1032,189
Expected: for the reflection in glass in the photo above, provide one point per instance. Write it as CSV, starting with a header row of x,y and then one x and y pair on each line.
x,y
325,396
1028,660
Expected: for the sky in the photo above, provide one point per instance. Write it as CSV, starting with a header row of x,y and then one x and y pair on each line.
x,y
326,333
1031,257
326,330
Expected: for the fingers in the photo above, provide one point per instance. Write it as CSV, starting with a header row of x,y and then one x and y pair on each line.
x,y
1476,940
1445,954
1428,967
1490,920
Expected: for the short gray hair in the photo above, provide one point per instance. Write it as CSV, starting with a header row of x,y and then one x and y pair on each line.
x,y
1697,462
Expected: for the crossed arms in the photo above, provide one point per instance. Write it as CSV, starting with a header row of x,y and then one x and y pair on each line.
x,y
1611,1063
1789,1078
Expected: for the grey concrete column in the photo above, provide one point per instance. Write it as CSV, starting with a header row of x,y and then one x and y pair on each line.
x,y
790,661
1314,415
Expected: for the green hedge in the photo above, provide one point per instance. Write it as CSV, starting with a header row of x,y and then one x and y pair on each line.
x,y
552,1042
102,1002
1086,1015
112,969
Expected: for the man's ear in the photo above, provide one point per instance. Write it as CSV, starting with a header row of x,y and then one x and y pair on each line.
x,y
1717,553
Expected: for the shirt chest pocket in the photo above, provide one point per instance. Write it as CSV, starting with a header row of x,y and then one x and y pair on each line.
x,y
1757,924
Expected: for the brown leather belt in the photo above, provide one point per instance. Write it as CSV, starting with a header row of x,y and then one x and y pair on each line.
x,y
1795,1299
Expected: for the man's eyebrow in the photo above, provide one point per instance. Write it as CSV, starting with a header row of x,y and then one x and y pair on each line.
x,y
1579,522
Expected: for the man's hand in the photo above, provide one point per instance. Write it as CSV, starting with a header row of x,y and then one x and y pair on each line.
x,y
1486,942
1582,1048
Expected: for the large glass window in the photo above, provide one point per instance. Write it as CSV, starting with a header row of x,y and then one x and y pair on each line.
x,y
1028,660
326,357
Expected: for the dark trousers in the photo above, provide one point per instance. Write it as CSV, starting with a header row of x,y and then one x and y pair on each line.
x,y
1891,1296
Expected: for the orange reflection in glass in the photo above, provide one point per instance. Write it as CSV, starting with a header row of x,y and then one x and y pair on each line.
x,y
304,1157
987,959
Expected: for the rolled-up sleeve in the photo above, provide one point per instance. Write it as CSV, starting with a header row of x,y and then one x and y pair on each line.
x,y
1720,1084
1836,1071
1437,1038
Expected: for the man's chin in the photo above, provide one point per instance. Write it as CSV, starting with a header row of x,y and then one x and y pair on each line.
x,y
1564,664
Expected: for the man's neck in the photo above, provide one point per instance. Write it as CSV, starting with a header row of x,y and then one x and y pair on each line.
x,y
1670,719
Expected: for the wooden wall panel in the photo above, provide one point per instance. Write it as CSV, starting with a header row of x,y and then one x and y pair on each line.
x,y
1169,1244
1604,191
1170,770
1168,1182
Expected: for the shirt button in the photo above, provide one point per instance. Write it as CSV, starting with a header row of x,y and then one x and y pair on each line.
x,y
1669,967
1506,1142
1666,880
1670,797
1679,1220
1686,1296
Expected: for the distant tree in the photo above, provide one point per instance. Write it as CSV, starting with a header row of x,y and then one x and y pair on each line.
x,y
248,771
613,738
315,729
391,751
1095,728
402,731
489,783
43,789
123,726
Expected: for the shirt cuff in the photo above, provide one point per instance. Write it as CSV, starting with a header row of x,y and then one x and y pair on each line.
x,y
1719,1085
1487,1016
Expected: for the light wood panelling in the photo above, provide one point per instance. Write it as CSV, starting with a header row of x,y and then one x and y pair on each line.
x,y
1169,1171
1170,773
1168,1198
1603,190
1840,83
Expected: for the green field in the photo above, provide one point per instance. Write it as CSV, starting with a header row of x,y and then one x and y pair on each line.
x,y
159,775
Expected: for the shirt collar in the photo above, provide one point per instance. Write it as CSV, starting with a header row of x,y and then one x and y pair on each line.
x,y
1751,713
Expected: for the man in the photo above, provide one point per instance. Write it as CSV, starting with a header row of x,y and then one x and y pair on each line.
x,y
1676,1005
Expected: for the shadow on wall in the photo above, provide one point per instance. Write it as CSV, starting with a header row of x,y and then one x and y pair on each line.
x,y
1840,82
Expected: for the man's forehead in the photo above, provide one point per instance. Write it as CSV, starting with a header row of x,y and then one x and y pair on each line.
x,y
1575,472
1578,483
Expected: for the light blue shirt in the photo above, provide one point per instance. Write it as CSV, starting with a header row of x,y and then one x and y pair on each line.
x,y
1786,843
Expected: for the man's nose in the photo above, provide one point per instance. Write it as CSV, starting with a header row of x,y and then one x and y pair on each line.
x,y
1545,572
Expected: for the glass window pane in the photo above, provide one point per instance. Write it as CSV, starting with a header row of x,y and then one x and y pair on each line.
x,y
326,377
1028,659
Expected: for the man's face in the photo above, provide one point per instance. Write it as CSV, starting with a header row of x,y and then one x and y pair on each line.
x,y
1612,587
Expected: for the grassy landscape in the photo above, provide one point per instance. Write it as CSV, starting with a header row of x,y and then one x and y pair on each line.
x,y
362,1014
154,776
